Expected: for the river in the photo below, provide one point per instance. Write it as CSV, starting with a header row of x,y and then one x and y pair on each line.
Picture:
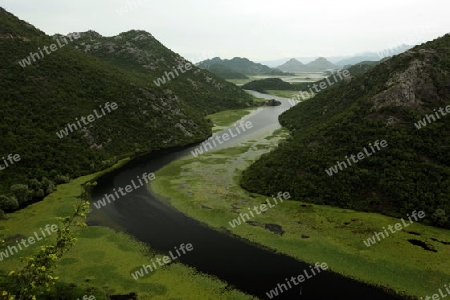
x,y
248,267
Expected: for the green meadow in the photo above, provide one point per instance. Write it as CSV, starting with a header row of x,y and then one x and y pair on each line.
x,y
208,191
284,94
225,119
102,260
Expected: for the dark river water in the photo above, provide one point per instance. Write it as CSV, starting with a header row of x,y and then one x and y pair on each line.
x,y
248,267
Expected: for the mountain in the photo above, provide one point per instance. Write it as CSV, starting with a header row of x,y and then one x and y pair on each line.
x,y
401,101
266,84
83,102
372,56
352,60
348,59
320,64
393,51
292,65
263,85
225,73
277,62
141,54
240,65
317,65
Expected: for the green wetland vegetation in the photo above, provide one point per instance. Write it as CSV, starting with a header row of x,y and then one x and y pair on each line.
x,y
411,173
327,218
224,119
282,93
88,265
207,189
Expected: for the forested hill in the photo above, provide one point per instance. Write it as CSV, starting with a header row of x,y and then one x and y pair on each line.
x,y
240,65
139,53
411,173
40,98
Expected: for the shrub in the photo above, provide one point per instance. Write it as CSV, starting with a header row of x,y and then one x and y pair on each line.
x,y
8,203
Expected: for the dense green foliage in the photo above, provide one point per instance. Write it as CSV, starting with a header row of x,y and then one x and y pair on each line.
x,y
140,54
263,85
36,278
225,73
411,173
39,100
240,65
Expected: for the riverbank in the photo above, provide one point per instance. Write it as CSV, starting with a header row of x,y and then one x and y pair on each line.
x,y
104,258
206,188
225,119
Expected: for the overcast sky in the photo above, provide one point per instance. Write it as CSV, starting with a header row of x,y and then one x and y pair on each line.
x,y
257,29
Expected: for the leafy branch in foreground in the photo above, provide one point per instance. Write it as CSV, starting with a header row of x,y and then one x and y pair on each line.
x,y
36,278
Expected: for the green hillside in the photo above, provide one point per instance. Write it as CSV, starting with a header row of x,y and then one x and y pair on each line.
x,y
225,73
40,99
240,65
262,85
411,173
139,53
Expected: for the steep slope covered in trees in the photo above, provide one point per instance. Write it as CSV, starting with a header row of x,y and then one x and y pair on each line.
x,y
59,87
386,103
240,65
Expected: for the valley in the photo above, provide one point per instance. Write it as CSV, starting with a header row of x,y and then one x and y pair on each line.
x,y
136,172
306,232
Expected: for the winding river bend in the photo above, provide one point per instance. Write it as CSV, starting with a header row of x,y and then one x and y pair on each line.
x,y
248,267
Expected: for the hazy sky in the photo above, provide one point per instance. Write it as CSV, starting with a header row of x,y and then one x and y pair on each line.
x,y
256,29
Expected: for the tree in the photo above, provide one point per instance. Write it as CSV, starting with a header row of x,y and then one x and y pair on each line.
x,y
61,179
34,184
39,193
47,185
8,203
20,191
439,218
36,278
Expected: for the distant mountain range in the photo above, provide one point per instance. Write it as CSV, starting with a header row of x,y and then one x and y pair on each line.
x,y
318,65
371,56
346,60
239,67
